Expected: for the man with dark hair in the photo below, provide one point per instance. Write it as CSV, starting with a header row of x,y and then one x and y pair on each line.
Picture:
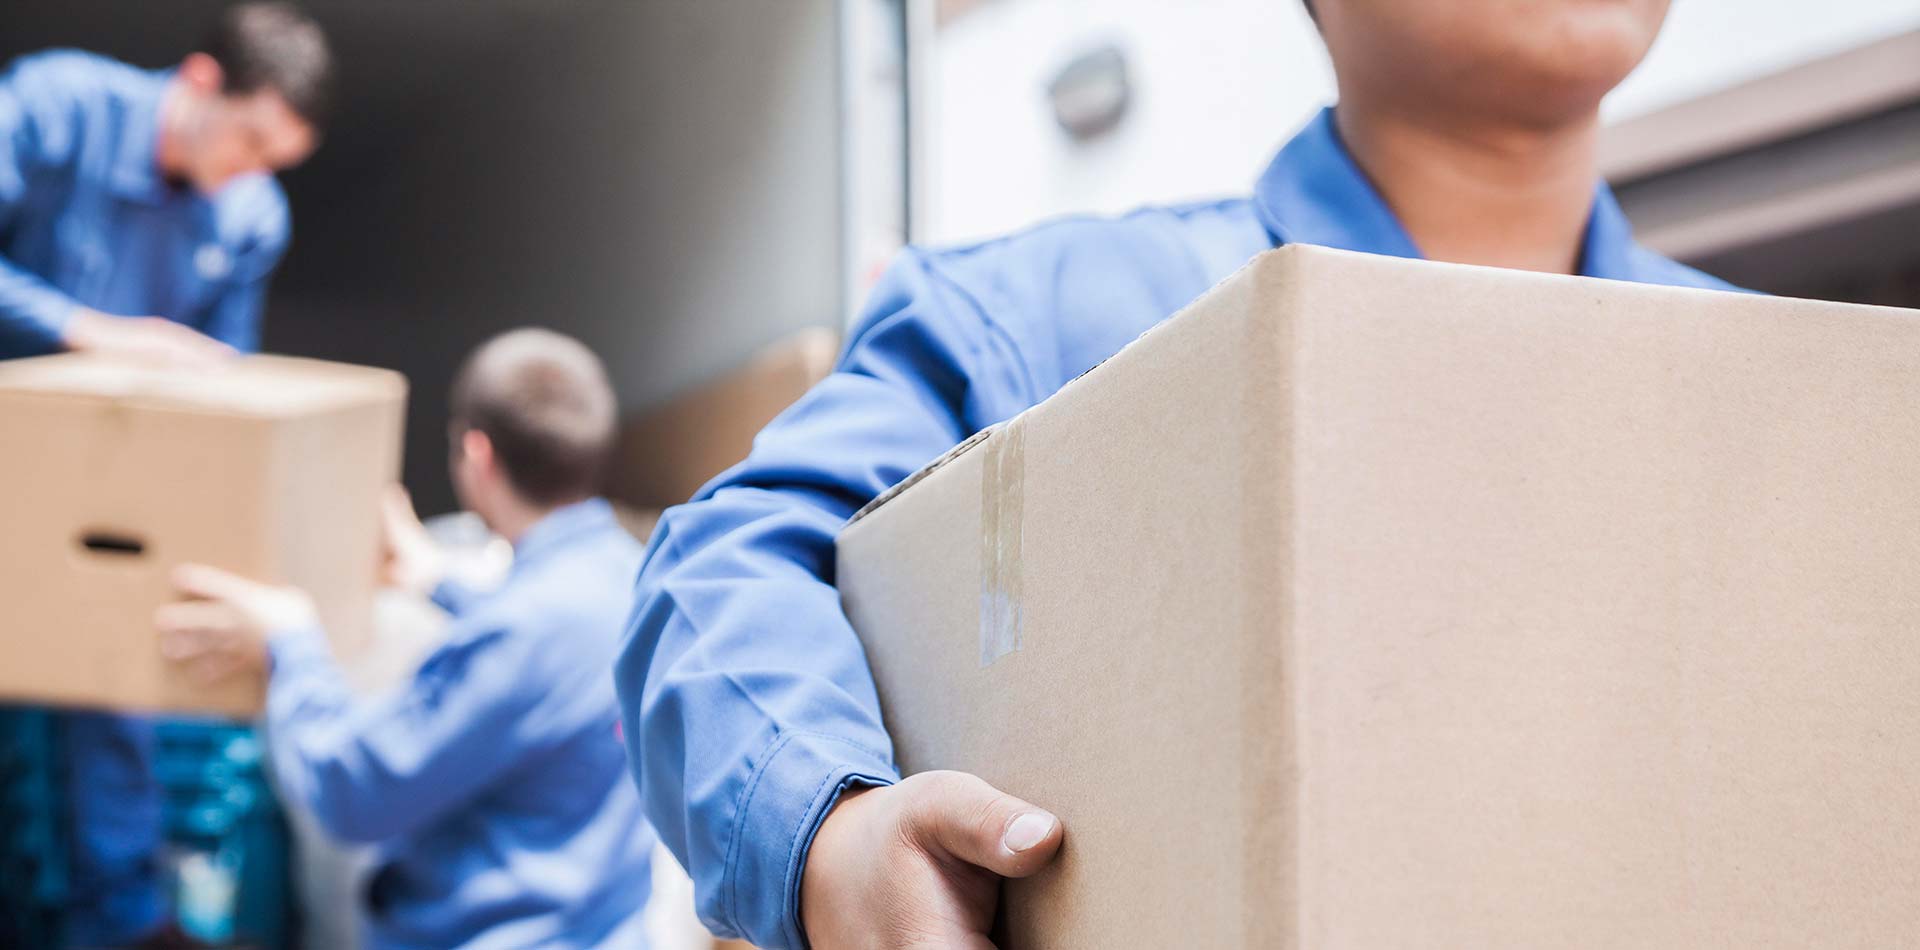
x,y
137,217
137,209
492,783
1465,131
549,430
273,49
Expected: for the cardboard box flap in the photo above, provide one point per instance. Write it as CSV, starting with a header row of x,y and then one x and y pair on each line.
x,y
928,469
1274,259
254,386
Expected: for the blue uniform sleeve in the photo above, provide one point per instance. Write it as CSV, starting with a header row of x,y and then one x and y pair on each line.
x,y
370,769
453,597
37,129
235,318
746,698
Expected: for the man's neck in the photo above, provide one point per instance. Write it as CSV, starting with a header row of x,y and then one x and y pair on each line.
x,y
514,525
169,130
1480,193
517,518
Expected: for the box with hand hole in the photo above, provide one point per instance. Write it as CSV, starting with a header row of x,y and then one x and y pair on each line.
x,y
270,467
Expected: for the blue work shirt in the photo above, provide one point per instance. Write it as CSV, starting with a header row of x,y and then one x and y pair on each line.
x,y
87,220
493,784
748,701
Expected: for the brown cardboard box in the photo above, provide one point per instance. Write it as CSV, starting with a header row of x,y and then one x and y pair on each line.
x,y
272,468
665,455
1379,603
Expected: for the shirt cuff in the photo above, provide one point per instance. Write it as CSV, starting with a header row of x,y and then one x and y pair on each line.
x,y
788,796
297,647
452,596
58,315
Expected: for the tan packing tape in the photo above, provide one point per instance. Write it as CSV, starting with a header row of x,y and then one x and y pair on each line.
x,y
1001,503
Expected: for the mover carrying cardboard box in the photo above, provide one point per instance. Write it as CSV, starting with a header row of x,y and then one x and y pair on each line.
x,y
1383,603
271,467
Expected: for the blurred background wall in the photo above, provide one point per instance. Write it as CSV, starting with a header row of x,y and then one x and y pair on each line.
x,y
1219,85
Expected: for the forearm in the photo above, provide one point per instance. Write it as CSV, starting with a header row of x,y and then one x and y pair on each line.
x,y
308,702
752,721
34,315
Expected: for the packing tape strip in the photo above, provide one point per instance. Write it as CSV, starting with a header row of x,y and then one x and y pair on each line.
x,y
1001,501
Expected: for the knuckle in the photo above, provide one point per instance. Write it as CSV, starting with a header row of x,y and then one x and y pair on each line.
x,y
944,786
927,798
992,813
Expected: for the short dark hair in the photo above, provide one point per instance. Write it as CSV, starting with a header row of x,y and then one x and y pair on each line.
x,y
543,400
275,46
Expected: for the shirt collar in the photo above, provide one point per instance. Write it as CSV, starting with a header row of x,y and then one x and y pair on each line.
x,y
136,165
1314,193
560,528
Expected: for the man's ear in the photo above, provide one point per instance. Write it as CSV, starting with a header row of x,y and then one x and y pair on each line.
x,y
202,73
477,449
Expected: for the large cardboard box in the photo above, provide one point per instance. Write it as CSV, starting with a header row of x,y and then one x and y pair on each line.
x,y
666,454
1381,603
272,467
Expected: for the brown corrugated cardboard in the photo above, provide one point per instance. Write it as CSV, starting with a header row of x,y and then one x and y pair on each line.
x,y
1382,603
271,467
665,455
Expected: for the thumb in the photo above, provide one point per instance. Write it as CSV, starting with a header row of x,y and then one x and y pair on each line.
x,y
962,816
205,345
398,521
397,505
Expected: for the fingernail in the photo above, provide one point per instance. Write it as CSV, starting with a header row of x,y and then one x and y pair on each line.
x,y
1026,831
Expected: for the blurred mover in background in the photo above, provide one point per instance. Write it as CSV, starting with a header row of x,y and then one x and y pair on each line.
x,y
492,783
138,216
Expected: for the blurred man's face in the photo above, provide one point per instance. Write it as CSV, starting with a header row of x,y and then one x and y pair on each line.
x,y
1539,61
241,135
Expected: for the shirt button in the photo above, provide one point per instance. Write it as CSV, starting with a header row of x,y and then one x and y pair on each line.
x,y
211,261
